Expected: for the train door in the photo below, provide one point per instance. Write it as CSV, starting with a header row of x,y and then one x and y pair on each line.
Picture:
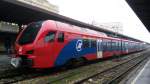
x,y
60,42
44,44
44,49
49,40
99,49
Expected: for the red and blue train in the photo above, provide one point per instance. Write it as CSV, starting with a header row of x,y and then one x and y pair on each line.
x,y
47,44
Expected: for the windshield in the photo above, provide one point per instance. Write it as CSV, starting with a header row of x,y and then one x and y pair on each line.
x,y
29,34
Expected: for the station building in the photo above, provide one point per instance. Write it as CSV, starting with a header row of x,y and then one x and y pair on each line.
x,y
9,31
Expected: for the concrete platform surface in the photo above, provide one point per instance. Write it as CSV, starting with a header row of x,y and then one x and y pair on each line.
x,y
5,62
142,77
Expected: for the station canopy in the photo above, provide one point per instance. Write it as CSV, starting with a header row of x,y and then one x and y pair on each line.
x,y
21,13
142,9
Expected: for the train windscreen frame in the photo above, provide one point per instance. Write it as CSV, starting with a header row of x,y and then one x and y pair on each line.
x,y
30,33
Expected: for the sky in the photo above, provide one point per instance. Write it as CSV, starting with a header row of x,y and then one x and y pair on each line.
x,y
104,11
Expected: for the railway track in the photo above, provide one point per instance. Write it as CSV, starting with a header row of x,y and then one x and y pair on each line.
x,y
74,75
120,77
15,75
115,74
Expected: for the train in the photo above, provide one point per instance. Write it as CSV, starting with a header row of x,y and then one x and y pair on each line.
x,y
49,43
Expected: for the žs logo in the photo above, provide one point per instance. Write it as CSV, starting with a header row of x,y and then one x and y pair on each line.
x,y
79,45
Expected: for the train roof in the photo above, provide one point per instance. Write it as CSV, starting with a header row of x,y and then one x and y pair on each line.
x,y
80,30
75,29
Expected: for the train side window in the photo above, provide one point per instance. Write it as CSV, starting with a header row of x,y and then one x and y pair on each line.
x,y
50,37
113,44
93,43
109,45
119,44
86,43
104,42
123,45
61,37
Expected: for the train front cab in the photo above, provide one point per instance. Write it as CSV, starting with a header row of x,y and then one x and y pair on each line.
x,y
24,45
35,45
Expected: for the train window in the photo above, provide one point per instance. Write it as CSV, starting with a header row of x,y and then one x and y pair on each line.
x,y
50,37
86,43
126,45
120,43
113,45
108,44
93,43
30,33
104,43
123,45
117,44
90,42
61,37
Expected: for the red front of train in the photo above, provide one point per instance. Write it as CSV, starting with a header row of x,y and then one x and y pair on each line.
x,y
31,50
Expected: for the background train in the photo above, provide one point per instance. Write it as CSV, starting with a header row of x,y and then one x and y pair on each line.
x,y
49,43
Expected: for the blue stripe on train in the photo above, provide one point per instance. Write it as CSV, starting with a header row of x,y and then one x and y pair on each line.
x,y
70,51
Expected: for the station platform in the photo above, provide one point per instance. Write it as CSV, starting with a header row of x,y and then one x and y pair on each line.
x,y
5,62
142,76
